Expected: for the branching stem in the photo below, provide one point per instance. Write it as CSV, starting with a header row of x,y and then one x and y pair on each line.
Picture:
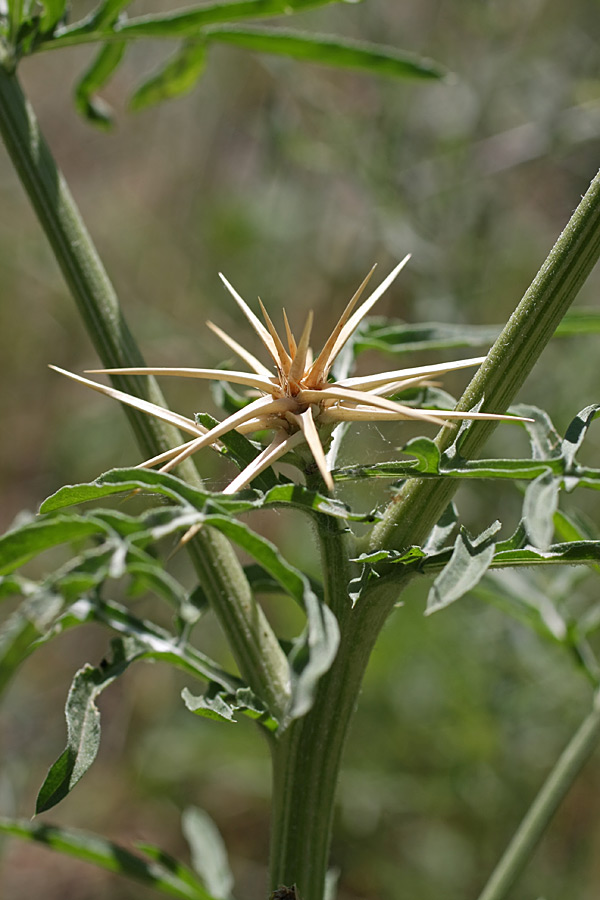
x,y
253,642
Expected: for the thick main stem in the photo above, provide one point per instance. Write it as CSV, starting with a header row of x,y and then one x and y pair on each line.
x,y
307,758
254,644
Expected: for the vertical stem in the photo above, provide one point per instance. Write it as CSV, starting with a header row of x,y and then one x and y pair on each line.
x,y
307,757
417,507
254,644
306,763
553,791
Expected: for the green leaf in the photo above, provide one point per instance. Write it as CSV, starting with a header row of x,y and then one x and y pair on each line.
x,y
22,544
20,631
175,78
468,564
393,336
83,725
92,108
541,502
315,649
576,432
331,51
516,594
209,856
54,11
183,23
223,705
110,856
443,530
153,641
427,454
241,451
149,481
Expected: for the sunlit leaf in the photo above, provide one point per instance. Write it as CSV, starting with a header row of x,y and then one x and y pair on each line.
x,y
469,562
83,725
108,855
223,705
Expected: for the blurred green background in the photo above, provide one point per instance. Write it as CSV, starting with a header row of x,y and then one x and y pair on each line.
x,y
293,180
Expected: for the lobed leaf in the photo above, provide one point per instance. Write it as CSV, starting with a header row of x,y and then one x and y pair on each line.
x,y
223,705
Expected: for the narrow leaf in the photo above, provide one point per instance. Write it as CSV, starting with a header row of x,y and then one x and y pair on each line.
x,y
331,51
541,502
83,725
209,856
54,10
22,544
175,78
93,108
108,855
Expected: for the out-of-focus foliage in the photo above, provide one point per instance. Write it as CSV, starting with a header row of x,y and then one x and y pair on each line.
x,y
293,180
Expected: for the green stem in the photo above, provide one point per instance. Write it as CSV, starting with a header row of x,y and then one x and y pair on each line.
x,y
253,642
417,507
306,762
555,788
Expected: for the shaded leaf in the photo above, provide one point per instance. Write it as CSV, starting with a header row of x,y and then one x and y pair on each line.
x,y
22,544
153,641
20,631
314,651
393,336
110,856
209,856
241,450
541,502
183,23
176,77
443,530
517,595
331,51
93,108
54,11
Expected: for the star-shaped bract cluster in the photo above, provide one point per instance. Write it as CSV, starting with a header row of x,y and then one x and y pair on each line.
x,y
296,400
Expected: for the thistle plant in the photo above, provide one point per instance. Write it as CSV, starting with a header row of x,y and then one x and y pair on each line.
x,y
300,401
300,693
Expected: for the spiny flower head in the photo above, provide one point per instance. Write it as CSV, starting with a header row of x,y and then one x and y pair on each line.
x,y
296,399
